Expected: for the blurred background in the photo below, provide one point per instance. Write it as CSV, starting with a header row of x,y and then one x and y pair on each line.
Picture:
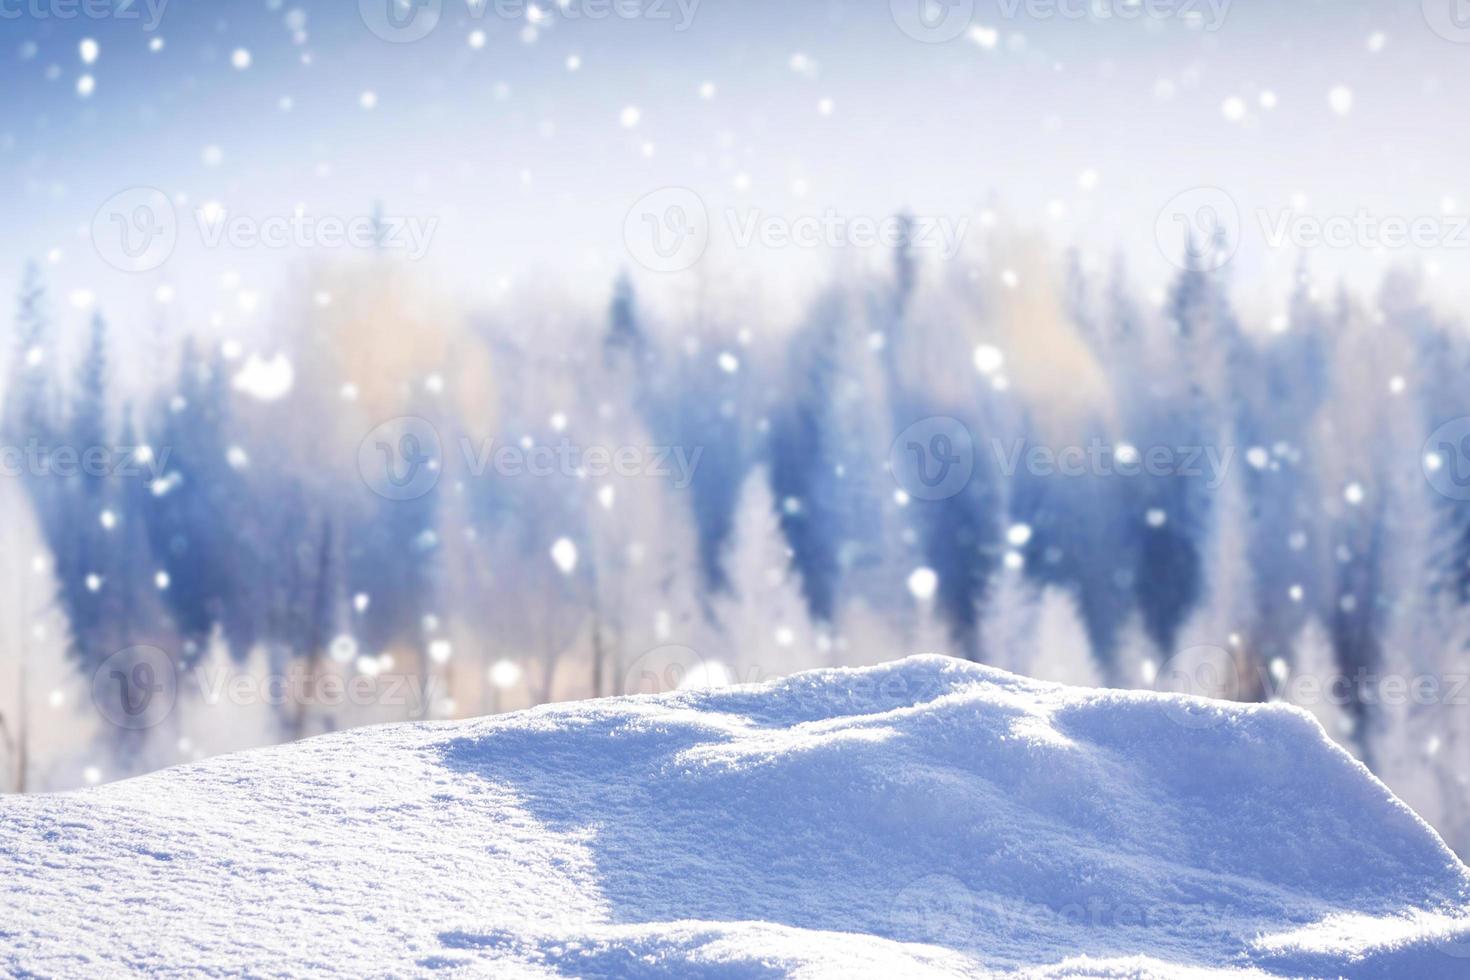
x,y
421,359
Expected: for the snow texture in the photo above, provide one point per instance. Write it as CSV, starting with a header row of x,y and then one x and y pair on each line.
x,y
929,817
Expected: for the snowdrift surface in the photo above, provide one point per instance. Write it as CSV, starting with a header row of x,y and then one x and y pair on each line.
x,y
925,818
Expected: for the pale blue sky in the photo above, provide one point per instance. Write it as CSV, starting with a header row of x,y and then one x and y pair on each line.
x,y
529,168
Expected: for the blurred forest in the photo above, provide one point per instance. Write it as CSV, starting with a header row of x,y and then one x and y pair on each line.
x,y
1260,511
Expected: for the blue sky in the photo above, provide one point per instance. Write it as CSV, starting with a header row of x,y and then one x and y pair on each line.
x,y
522,150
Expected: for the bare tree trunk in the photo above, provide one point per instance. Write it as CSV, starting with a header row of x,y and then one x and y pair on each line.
x,y
316,633
9,742
597,651
23,723
17,743
548,645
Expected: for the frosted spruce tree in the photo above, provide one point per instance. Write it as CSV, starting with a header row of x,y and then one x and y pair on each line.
x,y
763,619
1061,652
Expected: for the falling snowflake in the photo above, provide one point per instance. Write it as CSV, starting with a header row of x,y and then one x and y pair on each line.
x,y
923,583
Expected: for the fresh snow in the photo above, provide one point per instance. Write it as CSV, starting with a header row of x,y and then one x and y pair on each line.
x,y
929,817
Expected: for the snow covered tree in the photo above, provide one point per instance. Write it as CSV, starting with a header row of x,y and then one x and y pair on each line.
x,y
27,599
763,618
828,444
1062,651
805,458
1226,616
1136,665
1411,723
646,552
1276,449
1008,630
197,511
81,515
29,409
1314,682
1199,412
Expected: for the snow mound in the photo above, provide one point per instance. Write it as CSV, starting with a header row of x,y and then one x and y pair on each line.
x,y
929,817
